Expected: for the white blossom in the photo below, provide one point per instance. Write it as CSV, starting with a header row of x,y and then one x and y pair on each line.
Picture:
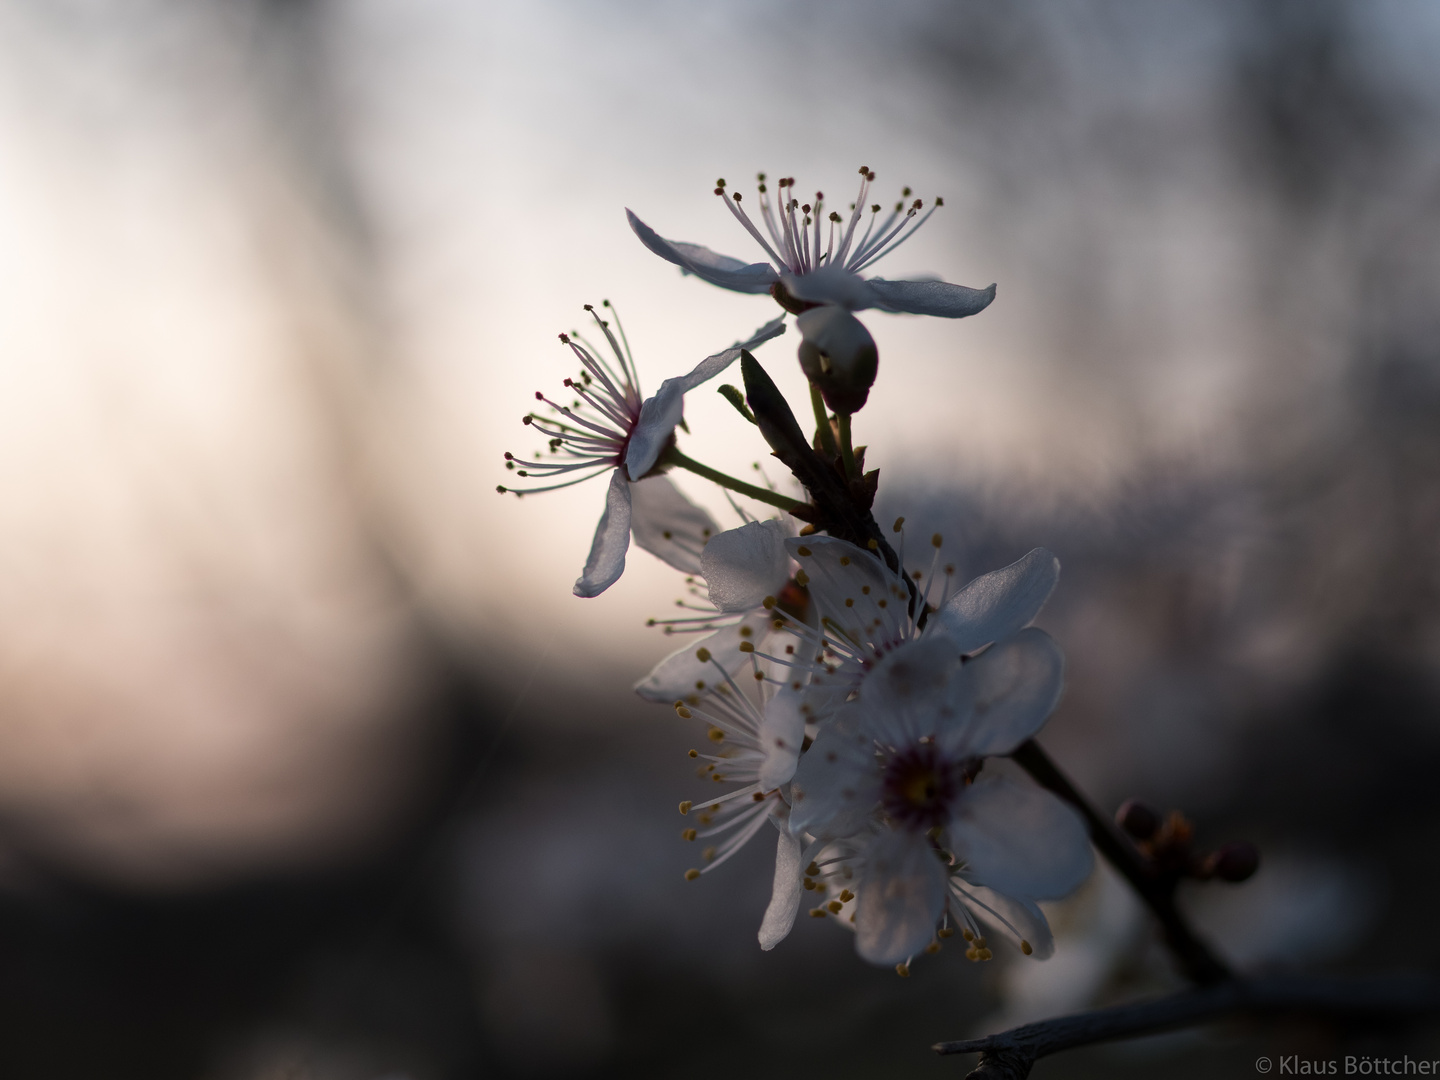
x,y
611,428
819,263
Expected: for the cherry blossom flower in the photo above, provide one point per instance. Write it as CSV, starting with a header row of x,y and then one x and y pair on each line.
x,y
611,428
899,768
800,274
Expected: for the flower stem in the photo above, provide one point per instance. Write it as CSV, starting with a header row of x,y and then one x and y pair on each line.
x,y
822,422
847,449
674,457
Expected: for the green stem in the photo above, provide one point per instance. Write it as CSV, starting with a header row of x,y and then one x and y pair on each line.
x,y
822,422
674,457
847,450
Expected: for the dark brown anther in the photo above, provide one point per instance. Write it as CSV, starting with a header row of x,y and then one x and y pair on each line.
x,y
1139,819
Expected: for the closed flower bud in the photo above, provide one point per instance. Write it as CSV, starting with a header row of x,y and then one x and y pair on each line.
x,y
1139,819
838,355
1234,862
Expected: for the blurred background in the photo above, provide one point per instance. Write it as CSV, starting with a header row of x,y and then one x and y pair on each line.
x,y
310,765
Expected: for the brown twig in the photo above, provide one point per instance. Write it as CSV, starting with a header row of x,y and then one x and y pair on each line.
x,y
1009,1055
1199,963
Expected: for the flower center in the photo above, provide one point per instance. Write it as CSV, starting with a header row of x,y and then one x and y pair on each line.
x,y
920,787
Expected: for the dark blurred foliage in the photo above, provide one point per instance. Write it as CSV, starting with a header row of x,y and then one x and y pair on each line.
x,y
1257,646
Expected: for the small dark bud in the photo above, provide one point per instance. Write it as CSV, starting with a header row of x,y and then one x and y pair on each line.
x,y
1234,862
1139,819
839,356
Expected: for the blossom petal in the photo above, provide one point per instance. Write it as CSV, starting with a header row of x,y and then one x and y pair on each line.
x,y
676,676
1017,917
782,733
784,894
743,566
832,285
721,270
612,538
1012,688
837,783
905,694
659,414
852,588
1021,841
929,298
900,896
1000,603
668,525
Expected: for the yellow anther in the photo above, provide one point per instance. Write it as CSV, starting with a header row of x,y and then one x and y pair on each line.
x,y
813,869
968,935
705,819
980,943
757,797
933,948
865,589
844,560
972,954
817,912
688,834
1025,947
801,578
703,655
691,874
768,603
903,970
834,907
694,753
809,884
682,712
715,735
685,806
986,954
937,540
746,631
802,550
759,676
874,545
849,601
945,932
708,854
808,530
746,646
846,896
899,524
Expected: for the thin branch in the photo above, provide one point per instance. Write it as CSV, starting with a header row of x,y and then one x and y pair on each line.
x,y
1199,963
673,456
1009,1055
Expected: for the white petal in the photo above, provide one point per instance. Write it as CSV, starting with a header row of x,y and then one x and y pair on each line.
x,y
743,566
929,298
1010,691
840,571
1000,603
784,894
708,265
659,414
832,285
837,783
676,676
1016,917
667,524
612,538
900,895
1020,840
782,733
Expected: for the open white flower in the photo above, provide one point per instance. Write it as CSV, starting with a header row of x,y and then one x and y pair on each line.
x,y
611,428
814,268
898,773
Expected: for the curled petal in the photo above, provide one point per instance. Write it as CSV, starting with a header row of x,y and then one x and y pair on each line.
x,y
659,414
743,566
1000,603
784,894
1021,841
1009,691
708,265
668,525
929,298
612,538
901,894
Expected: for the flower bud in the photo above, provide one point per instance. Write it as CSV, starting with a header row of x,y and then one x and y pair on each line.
x,y
838,355
1234,862
1139,819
